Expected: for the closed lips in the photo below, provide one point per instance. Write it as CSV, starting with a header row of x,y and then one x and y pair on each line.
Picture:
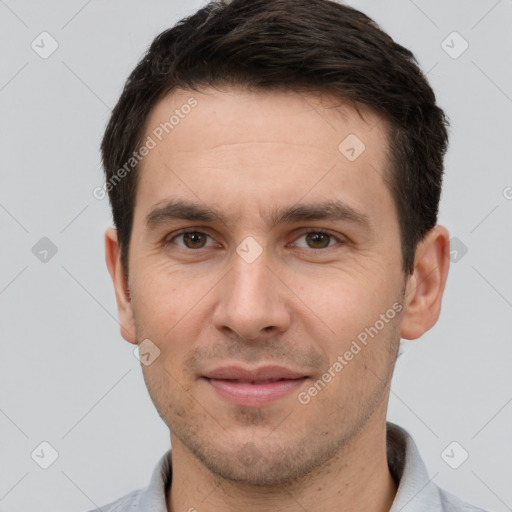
x,y
259,381
260,375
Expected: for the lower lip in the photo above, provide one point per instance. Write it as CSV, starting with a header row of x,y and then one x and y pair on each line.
x,y
254,395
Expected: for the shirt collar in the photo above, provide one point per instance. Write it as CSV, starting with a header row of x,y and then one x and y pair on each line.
x,y
152,499
416,491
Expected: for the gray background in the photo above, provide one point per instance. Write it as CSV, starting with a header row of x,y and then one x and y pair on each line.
x,y
66,375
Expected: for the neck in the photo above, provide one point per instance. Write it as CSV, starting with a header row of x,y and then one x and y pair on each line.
x,y
356,478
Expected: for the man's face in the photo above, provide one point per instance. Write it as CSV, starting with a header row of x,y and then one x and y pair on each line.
x,y
255,288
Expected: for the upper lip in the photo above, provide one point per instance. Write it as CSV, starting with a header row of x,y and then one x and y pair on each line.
x,y
253,374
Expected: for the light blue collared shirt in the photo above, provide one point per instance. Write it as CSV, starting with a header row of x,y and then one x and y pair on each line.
x,y
416,492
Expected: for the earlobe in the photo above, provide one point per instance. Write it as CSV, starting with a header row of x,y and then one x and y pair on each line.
x,y
120,282
425,287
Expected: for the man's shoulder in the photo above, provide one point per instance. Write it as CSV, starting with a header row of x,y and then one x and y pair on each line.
x,y
416,491
452,503
128,502
146,499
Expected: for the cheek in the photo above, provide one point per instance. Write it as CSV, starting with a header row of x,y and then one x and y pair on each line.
x,y
169,307
361,363
344,303
360,342
164,291
163,306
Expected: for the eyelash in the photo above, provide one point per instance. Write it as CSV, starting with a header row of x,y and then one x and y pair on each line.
x,y
168,240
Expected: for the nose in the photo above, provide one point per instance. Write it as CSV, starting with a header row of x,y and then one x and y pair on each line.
x,y
254,303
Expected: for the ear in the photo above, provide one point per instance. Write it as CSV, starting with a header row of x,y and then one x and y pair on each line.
x,y
425,286
120,281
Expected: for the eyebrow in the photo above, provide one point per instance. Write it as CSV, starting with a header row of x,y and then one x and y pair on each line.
x,y
336,210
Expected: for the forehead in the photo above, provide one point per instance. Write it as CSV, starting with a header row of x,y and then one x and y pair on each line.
x,y
235,145
281,115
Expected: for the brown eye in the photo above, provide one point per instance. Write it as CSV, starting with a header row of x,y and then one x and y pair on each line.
x,y
194,239
318,240
189,240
